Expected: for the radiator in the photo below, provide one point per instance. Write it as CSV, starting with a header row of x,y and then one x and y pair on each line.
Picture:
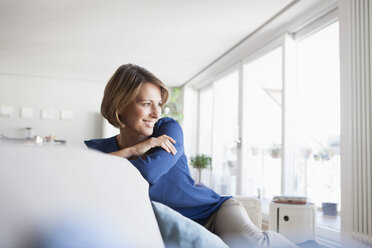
x,y
361,92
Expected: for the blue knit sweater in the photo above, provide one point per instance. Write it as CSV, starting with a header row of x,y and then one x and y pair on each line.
x,y
169,175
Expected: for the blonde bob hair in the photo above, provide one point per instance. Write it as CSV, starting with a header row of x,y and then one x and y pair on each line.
x,y
122,89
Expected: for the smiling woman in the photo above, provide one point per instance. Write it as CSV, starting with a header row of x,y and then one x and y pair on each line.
x,y
133,101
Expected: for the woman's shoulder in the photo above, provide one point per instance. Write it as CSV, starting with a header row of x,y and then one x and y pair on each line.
x,y
167,124
167,121
100,141
104,145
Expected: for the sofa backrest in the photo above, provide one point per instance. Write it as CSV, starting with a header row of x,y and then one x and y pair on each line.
x,y
57,196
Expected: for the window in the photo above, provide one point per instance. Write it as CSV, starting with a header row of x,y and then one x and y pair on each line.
x,y
311,166
225,134
317,117
205,128
218,132
262,128
206,121
218,122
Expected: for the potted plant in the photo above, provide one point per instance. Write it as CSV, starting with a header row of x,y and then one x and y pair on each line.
x,y
275,151
200,162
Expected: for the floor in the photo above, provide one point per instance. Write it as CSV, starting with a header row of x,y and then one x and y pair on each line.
x,y
333,222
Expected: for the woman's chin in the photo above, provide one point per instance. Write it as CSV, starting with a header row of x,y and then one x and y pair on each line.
x,y
148,131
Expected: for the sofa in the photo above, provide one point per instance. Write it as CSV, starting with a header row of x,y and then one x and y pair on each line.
x,y
61,196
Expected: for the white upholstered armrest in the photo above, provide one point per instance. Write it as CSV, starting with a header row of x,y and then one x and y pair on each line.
x,y
253,208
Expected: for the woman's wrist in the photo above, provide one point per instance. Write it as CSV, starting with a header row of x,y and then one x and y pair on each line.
x,y
125,153
141,148
129,152
134,151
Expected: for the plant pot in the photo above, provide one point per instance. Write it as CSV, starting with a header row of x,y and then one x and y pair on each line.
x,y
329,208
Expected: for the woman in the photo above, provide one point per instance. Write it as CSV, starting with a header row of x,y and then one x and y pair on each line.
x,y
132,101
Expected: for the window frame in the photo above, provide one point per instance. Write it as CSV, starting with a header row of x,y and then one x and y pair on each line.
x,y
267,48
325,234
288,43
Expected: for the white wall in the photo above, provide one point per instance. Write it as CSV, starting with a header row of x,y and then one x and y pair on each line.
x,y
82,97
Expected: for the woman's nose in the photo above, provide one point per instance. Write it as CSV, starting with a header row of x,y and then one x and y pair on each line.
x,y
156,111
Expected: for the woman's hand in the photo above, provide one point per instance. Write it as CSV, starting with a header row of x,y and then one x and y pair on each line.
x,y
140,149
163,141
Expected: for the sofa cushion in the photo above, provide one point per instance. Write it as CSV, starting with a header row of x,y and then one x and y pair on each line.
x,y
179,231
65,189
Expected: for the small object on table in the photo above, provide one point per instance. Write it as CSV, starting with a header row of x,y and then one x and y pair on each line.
x,y
37,140
290,199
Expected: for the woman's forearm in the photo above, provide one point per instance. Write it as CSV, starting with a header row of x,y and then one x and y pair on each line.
x,y
134,151
163,141
126,152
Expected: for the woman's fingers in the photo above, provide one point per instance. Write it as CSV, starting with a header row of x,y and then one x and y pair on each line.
x,y
166,143
171,147
169,138
165,147
172,140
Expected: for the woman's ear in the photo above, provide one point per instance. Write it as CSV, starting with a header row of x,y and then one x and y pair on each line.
x,y
121,124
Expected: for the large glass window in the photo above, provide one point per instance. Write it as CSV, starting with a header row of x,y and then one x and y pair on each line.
x,y
314,157
205,128
225,134
262,128
318,117
206,121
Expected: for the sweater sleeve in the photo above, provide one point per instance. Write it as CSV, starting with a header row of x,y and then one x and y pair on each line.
x,y
159,162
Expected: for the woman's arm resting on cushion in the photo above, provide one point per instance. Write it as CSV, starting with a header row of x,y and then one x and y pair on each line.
x,y
125,153
138,150
159,162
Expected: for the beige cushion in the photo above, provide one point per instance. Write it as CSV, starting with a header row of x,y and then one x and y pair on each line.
x,y
253,208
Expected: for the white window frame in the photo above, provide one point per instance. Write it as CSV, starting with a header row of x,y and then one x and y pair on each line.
x,y
282,41
324,234
288,43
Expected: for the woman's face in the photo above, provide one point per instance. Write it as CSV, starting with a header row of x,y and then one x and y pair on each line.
x,y
141,115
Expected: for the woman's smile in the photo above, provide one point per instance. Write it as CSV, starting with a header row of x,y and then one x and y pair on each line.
x,y
150,124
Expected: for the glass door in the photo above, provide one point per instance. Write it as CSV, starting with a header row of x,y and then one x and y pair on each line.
x,y
263,126
318,161
225,134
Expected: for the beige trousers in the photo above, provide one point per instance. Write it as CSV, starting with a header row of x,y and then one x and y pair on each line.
x,y
233,225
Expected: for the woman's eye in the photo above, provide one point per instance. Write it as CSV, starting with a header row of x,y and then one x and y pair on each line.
x,y
146,104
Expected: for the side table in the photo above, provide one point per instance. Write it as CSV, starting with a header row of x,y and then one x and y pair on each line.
x,y
295,221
